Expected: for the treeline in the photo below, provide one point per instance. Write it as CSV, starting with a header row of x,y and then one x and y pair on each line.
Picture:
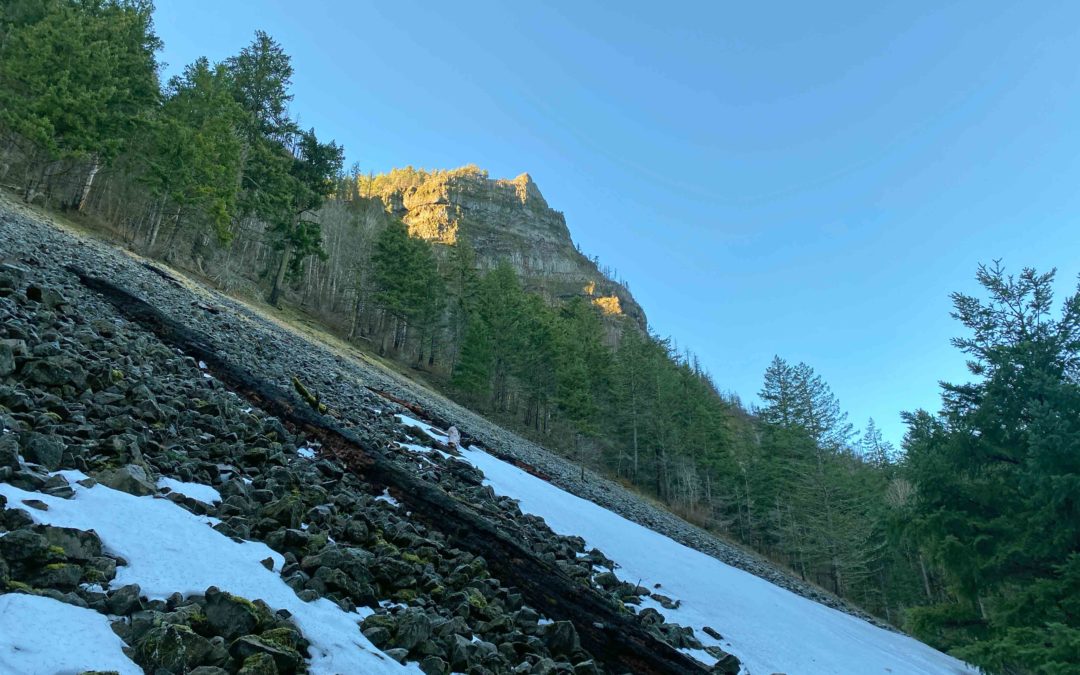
x,y
81,105
968,535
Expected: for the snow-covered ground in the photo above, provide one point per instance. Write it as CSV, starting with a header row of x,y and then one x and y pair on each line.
x,y
770,629
42,636
171,550
197,491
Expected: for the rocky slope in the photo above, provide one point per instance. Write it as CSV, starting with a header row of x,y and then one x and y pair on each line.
x,y
84,388
503,220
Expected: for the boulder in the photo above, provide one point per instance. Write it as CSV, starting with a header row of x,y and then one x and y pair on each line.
x,y
7,358
81,545
413,627
9,451
47,451
131,478
232,616
560,637
61,576
285,658
23,545
258,664
125,600
172,648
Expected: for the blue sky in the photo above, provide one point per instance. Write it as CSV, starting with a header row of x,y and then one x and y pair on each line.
x,y
804,179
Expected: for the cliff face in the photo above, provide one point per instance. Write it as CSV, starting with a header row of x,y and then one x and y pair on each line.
x,y
503,220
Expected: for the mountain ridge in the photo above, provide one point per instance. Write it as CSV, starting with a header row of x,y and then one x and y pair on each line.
x,y
503,220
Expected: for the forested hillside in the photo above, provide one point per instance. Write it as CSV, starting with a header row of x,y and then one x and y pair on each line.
x,y
968,535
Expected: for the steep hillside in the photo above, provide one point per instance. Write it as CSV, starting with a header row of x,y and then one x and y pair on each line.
x,y
159,477
502,220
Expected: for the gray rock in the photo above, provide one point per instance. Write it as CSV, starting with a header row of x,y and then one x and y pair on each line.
x,y
413,627
560,637
462,652
7,358
285,658
433,665
377,635
131,478
54,372
47,451
23,545
728,665
172,648
258,664
232,616
9,451
125,600
78,545
398,654
61,576
100,570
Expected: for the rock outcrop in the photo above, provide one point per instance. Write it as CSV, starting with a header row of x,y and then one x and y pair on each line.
x,y
502,220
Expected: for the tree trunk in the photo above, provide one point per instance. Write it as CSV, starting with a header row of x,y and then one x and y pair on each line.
x,y
94,166
279,278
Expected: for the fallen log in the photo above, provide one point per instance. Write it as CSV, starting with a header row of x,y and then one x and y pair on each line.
x,y
616,639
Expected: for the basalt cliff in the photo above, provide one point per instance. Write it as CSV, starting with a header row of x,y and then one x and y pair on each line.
x,y
503,221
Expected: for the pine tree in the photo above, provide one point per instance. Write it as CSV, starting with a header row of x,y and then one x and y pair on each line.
x,y
77,77
874,448
997,481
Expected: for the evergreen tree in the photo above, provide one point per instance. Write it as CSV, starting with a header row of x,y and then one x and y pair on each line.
x,y
874,448
190,154
997,482
77,77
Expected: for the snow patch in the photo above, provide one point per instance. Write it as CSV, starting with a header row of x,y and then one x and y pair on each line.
x,y
434,432
197,491
770,629
306,453
171,550
385,497
42,636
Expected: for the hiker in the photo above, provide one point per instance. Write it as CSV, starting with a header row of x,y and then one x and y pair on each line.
x,y
454,438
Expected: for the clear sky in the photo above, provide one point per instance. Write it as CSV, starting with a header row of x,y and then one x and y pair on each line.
x,y
804,179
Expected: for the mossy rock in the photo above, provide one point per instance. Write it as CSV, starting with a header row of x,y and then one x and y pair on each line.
x,y
232,616
174,648
259,664
285,658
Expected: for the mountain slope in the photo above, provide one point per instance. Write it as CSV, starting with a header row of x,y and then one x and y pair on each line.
x,y
174,417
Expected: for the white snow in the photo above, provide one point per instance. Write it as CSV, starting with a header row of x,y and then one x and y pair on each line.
x,y
386,497
768,628
42,636
197,491
169,549
423,449
306,453
434,432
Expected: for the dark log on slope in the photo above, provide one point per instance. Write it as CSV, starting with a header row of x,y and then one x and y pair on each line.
x,y
615,638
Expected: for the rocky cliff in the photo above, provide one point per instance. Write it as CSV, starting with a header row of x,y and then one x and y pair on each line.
x,y
503,220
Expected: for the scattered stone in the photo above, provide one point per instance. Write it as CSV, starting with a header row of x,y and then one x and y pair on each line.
x,y
560,637
285,658
47,451
125,600
131,478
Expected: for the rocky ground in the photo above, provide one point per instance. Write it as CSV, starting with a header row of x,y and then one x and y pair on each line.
x,y
83,388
